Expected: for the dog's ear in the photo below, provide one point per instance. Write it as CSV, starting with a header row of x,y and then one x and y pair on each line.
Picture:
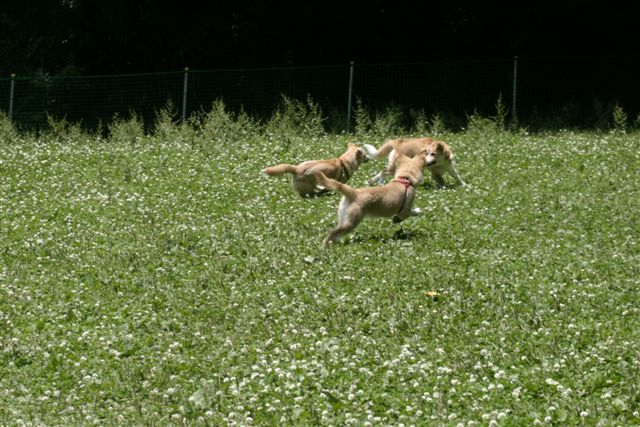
x,y
440,147
448,154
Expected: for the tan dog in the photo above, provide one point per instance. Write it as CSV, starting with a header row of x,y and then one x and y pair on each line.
x,y
410,147
393,199
339,168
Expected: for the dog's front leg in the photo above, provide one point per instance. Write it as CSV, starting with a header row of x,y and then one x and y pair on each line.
x,y
399,218
437,177
379,178
321,191
454,173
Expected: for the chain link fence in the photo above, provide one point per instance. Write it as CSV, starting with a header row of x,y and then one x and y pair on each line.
x,y
537,92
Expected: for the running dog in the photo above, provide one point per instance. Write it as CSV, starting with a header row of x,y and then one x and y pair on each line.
x,y
304,175
410,147
392,200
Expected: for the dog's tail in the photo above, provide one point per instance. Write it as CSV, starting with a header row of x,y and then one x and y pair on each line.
x,y
349,192
279,169
371,150
381,152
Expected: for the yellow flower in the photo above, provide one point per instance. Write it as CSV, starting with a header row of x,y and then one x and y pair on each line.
x,y
432,294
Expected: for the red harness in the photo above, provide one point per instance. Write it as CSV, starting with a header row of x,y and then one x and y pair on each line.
x,y
407,183
404,181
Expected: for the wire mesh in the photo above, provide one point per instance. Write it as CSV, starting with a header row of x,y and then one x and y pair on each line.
x,y
553,91
93,100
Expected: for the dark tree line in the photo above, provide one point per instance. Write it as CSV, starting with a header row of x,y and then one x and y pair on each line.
x,y
131,36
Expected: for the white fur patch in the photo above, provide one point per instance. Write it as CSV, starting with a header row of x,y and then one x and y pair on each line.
x,y
371,150
342,210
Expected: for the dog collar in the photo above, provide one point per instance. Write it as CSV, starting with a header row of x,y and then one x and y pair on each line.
x,y
343,172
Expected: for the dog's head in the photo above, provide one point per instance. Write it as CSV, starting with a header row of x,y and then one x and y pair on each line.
x,y
360,154
435,153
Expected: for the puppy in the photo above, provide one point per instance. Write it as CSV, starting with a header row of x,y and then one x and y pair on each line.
x,y
410,147
339,168
392,200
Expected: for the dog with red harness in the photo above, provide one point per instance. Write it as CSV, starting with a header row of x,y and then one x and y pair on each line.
x,y
392,200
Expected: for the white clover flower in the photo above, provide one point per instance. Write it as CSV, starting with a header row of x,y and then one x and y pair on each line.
x,y
516,392
551,382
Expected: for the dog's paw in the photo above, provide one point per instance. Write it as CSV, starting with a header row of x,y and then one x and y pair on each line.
x,y
376,180
396,219
321,191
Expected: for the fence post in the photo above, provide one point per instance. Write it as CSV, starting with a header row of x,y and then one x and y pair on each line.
x,y
350,96
12,89
184,95
514,104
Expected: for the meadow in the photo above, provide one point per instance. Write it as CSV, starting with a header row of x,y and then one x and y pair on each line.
x,y
155,277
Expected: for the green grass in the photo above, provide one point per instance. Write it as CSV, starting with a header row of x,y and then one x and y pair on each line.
x,y
162,280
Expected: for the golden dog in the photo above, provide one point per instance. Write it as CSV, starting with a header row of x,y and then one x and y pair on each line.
x,y
393,199
410,147
304,175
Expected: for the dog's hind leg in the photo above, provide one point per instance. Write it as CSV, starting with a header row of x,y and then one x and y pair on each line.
x,y
348,219
335,234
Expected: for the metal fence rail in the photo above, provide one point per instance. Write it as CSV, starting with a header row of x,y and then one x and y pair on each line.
x,y
563,92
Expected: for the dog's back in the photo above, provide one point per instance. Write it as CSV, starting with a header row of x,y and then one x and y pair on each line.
x,y
407,146
412,146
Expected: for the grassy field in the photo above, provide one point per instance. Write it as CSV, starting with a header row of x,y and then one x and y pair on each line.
x,y
162,280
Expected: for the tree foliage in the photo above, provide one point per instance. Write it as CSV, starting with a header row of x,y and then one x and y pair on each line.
x,y
122,36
